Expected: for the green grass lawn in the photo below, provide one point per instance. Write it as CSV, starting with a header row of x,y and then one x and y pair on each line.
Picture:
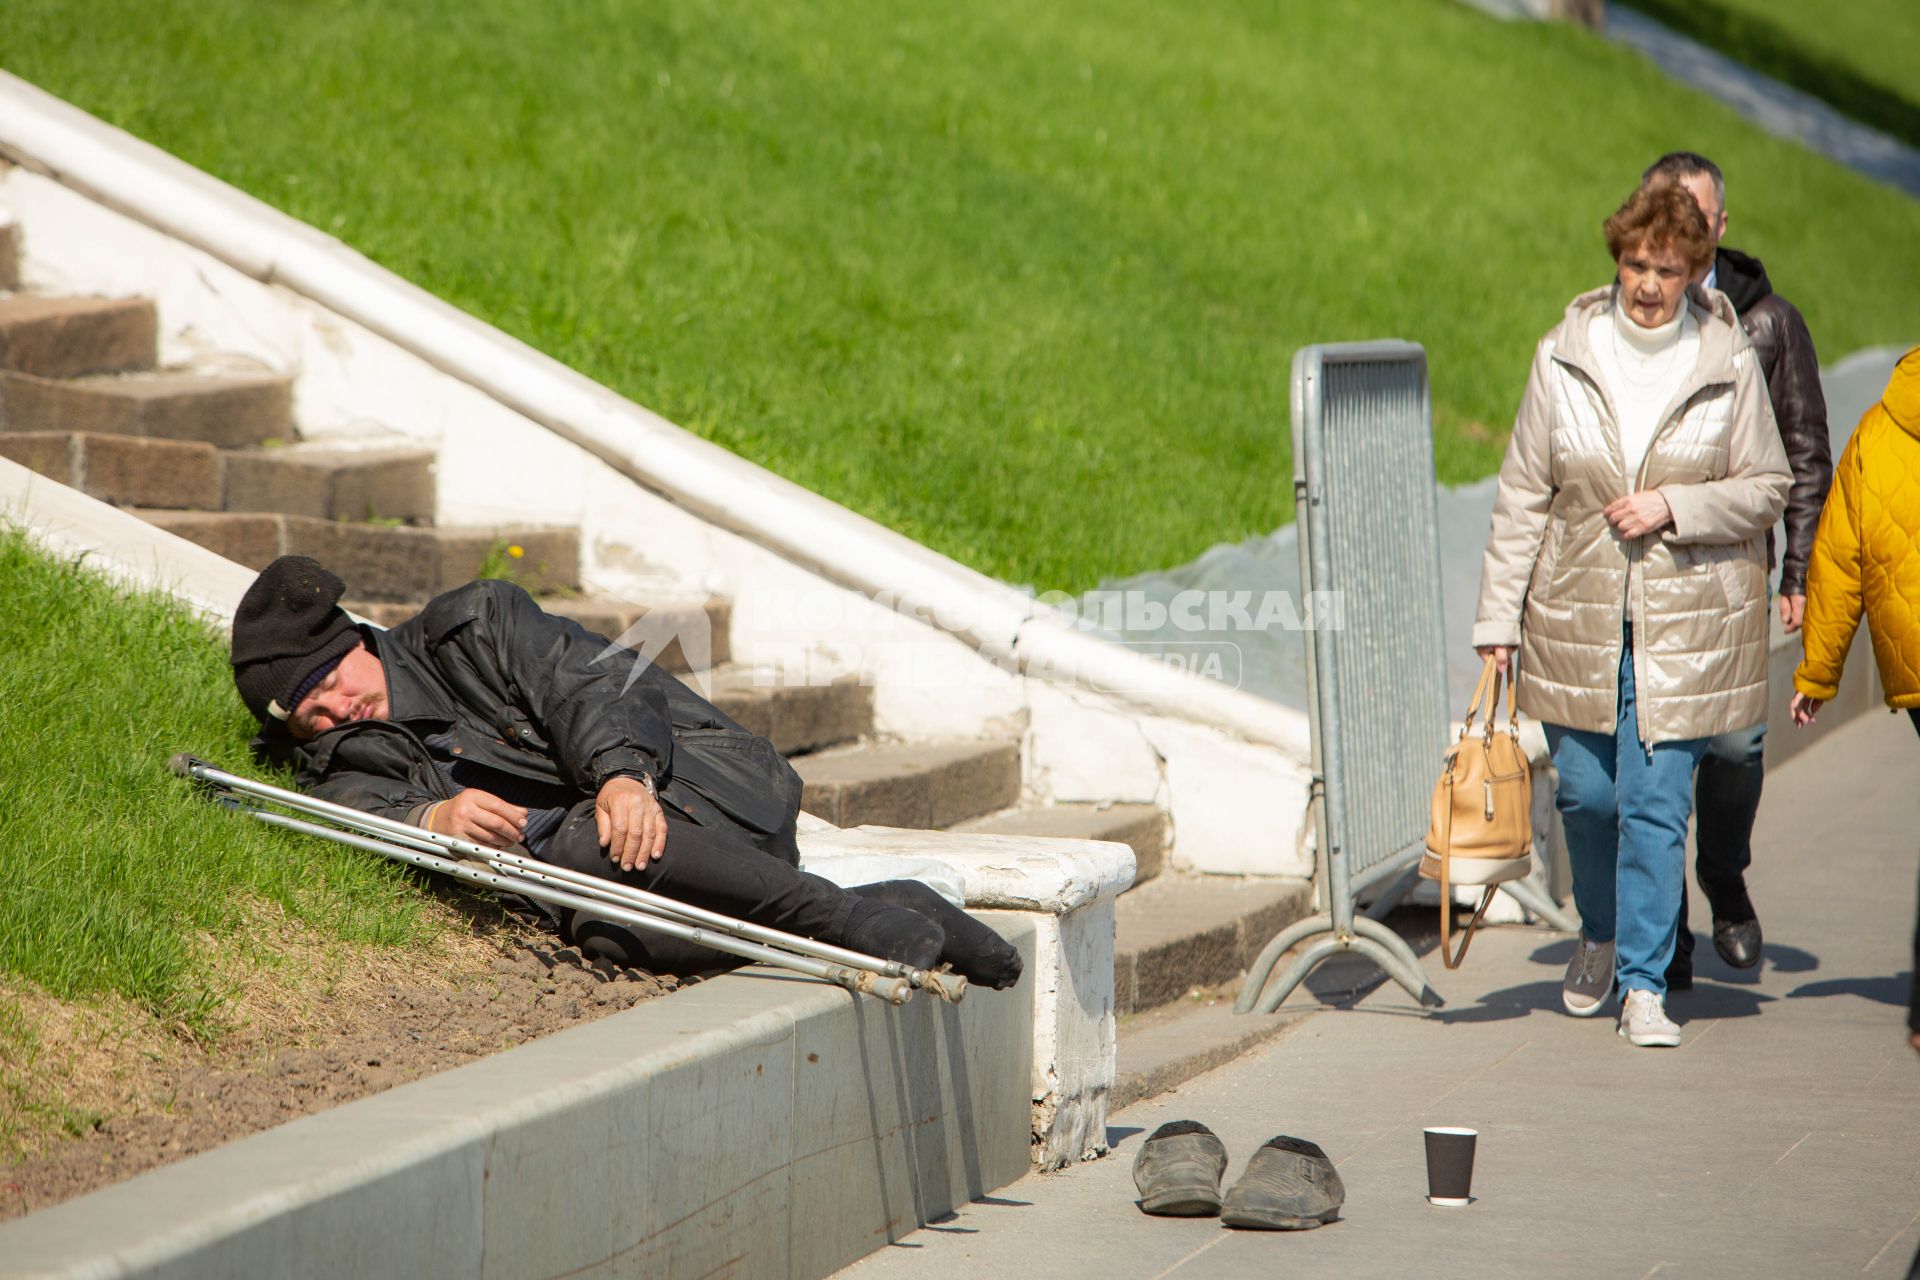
x,y
115,879
1021,281
1862,56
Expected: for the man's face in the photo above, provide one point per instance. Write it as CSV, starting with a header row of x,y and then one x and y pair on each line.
x,y
354,690
1700,187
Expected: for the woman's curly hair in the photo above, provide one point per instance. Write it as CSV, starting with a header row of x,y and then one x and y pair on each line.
x,y
1657,216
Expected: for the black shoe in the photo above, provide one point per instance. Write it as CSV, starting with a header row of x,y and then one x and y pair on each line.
x,y
1289,1185
1737,942
1178,1171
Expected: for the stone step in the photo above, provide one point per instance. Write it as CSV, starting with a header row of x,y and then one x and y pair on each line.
x,y
923,785
9,255
56,337
122,469
1143,827
385,562
1177,933
796,718
229,408
331,481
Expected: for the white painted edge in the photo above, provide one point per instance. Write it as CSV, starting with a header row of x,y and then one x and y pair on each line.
x,y
998,873
140,181
126,549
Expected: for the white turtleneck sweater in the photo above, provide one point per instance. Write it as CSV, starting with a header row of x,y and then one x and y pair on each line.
x,y
1643,370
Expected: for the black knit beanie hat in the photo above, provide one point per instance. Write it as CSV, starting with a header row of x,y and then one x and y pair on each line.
x,y
287,634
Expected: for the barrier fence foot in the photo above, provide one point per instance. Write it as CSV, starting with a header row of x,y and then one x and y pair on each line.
x,y
1270,954
1375,941
1392,941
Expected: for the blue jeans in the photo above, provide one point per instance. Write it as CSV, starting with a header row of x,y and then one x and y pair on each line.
x,y
1625,809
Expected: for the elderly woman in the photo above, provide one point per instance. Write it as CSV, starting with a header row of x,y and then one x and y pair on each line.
x,y
1627,565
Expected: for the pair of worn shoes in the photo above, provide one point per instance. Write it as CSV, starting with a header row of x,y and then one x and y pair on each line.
x,y
1289,1184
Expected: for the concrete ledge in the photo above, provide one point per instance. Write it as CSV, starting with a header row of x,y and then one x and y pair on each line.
x,y
1070,887
756,1125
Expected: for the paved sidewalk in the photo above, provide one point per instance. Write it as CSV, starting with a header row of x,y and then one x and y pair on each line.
x,y
1781,1139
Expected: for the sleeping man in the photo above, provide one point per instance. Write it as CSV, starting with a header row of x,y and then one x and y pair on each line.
x,y
487,718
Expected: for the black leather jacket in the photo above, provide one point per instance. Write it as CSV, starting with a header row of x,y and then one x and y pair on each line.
x,y
548,703
1785,348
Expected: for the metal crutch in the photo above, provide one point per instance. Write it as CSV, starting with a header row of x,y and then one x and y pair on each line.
x,y
948,986
627,905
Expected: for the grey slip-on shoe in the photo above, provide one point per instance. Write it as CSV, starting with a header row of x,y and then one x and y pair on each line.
x,y
1178,1171
1289,1185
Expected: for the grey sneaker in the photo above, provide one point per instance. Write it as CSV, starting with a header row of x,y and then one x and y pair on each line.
x,y
1589,977
1644,1021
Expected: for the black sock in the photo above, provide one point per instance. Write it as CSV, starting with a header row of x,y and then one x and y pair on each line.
x,y
976,952
892,933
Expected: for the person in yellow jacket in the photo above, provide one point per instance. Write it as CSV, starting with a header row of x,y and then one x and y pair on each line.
x,y
1866,558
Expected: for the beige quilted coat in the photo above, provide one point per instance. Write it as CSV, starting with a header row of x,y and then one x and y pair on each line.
x,y
1558,581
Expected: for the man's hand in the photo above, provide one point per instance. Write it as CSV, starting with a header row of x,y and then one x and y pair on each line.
x,y
632,828
1793,611
479,816
1502,656
1638,514
1914,1040
1803,708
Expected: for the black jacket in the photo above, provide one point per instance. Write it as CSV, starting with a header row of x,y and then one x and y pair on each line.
x,y
1785,349
544,701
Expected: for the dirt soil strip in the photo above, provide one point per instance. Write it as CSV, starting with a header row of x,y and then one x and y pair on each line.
x,y
180,1099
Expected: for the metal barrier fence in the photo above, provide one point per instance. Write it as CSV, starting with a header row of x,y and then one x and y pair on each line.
x,y
1376,674
1376,671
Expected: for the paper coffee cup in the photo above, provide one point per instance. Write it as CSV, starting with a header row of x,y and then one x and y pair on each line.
x,y
1450,1165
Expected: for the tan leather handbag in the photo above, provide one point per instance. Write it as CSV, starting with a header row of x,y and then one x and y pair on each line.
x,y
1482,827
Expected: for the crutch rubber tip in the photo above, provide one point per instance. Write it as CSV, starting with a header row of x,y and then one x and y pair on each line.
x,y
182,764
951,987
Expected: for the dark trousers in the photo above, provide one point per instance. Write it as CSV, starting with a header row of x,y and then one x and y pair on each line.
x,y
1913,1002
705,866
1726,799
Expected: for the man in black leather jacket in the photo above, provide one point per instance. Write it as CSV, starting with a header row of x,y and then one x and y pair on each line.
x,y
487,718
1728,784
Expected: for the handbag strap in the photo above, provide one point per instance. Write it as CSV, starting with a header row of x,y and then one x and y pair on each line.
x,y
1453,960
1488,672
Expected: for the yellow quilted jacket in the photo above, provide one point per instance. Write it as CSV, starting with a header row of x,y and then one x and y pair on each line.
x,y
1867,553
